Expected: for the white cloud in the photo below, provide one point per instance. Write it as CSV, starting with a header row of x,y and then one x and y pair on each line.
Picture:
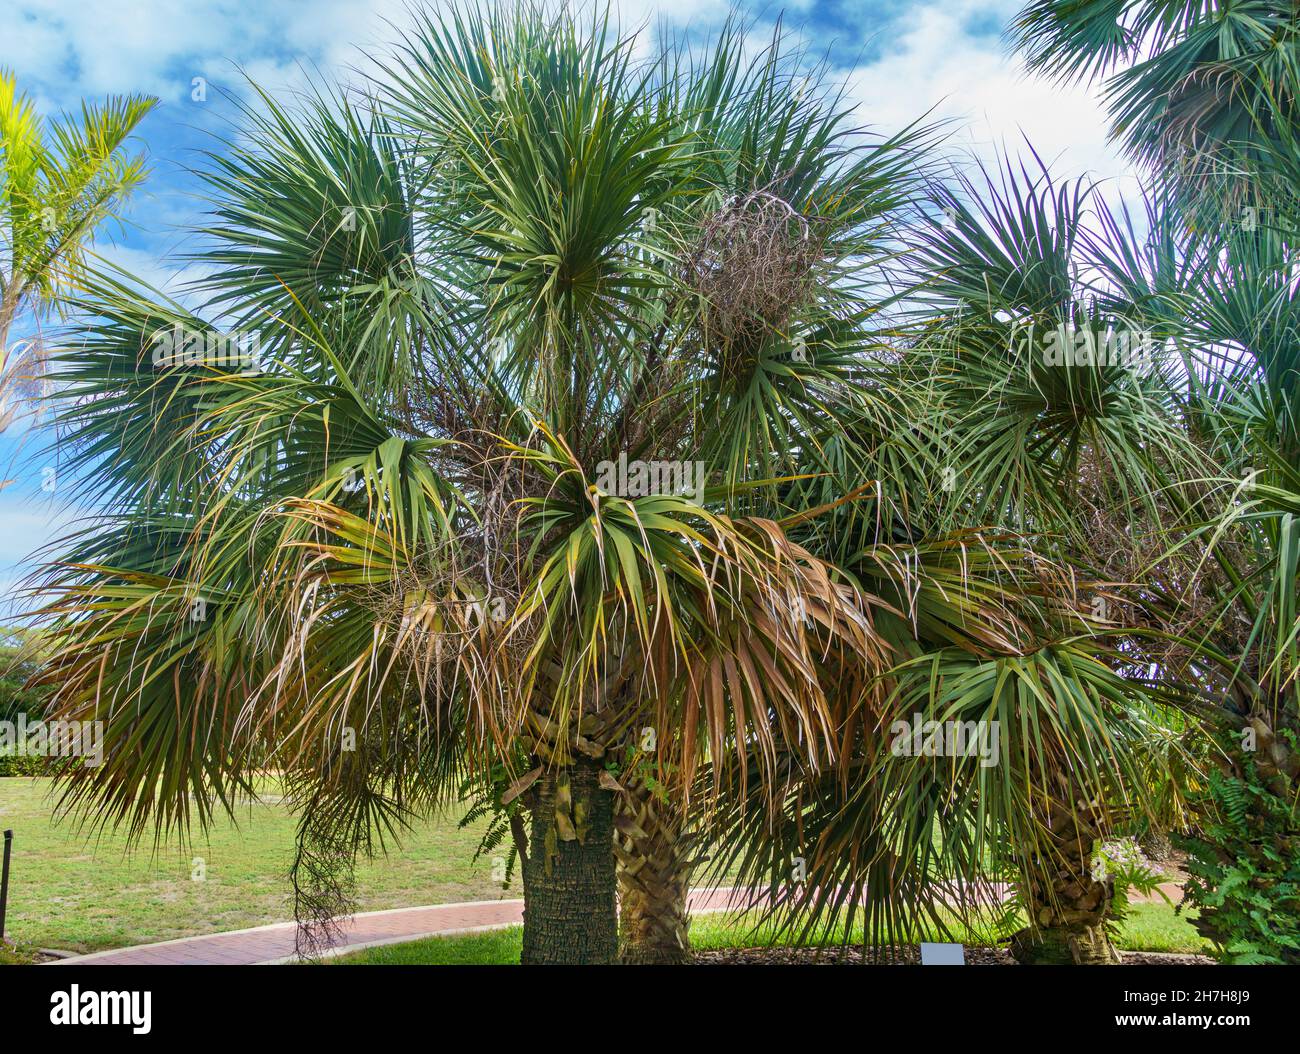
x,y
932,63
157,267
28,525
157,46
930,59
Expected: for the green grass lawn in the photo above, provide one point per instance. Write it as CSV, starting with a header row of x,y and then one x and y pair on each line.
x,y
72,892
68,891
1149,928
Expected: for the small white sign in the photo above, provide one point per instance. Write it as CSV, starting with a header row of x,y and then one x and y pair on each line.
x,y
943,955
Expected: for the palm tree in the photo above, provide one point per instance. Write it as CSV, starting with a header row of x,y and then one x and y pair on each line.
x,y
547,337
1218,84
1031,609
1237,616
1063,411
59,181
1196,90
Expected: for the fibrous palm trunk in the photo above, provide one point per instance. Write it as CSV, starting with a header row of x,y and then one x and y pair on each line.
x,y
1067,906
570,914
1156,844
654,873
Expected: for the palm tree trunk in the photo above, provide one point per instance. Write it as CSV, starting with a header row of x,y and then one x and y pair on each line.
x,y
569,882
1156,844
654,873
1067,907
8,310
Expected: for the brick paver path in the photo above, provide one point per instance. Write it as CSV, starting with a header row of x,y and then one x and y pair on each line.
x,y
268,944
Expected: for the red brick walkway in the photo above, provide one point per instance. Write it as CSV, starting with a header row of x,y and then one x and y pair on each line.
x,y
268,944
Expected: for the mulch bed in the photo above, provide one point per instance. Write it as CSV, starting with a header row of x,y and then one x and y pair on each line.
x,y
904,957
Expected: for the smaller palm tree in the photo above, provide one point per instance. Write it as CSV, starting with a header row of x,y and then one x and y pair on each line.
x,y
1210,105
1195,89
59,180
1047,469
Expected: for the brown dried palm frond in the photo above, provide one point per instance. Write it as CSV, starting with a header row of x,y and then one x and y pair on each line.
x,y
752,266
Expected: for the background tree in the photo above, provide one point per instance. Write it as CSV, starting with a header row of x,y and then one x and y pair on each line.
x,y
1037,501
20,662
1194,89
59,180
1217,85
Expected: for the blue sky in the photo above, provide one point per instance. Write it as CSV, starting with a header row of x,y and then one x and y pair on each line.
x,y
896,58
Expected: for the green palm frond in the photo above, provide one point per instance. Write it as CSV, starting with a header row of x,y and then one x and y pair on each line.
x,y
1049,379
924,841
1188,84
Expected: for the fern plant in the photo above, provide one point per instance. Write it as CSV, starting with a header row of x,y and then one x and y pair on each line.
x,y
1245,867
484,799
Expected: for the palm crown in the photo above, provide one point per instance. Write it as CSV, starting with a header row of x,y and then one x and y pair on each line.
x,y
59,180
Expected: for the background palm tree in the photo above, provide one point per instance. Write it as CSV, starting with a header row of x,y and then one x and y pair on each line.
x,y
1217,85
1195,89
59,180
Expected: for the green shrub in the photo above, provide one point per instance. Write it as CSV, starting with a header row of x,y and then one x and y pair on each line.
x,y
1245,866
25,765
12,954
19,660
